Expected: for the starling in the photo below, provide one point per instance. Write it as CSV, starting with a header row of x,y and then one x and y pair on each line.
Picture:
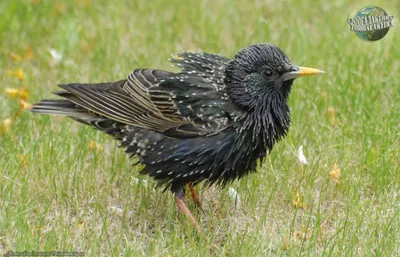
x,y
210,122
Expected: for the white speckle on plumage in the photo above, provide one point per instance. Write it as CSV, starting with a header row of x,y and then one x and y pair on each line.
x,y
169,173
158,171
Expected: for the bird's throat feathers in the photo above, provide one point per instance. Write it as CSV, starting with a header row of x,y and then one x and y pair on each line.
x,y
266,123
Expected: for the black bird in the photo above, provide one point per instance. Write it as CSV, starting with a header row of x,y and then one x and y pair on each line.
x,y
209,122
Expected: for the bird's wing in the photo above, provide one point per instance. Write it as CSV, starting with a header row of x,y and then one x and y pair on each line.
x,y
208,66
178,105
195,101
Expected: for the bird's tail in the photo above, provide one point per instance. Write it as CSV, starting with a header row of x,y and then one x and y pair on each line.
x,y
67,108
61,107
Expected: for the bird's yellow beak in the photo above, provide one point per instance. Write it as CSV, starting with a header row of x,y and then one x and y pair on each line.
x,y
305,71
301,72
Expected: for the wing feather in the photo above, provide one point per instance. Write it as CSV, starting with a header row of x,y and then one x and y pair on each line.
x,y
178,105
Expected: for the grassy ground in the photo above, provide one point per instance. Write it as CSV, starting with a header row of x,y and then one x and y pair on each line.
x,y
65,187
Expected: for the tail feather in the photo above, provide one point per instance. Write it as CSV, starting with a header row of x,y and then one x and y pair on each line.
x,y
67,108
60,107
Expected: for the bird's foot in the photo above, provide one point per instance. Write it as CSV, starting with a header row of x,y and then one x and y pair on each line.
x,y
179,199
196,197
182,205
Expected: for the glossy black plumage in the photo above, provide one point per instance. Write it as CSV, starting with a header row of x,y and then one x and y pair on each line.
x,y
209,122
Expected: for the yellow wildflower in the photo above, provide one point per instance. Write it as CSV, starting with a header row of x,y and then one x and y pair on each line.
x,y
335,174
23,93
5,127
17,92
23,105
14,93
94,146
298,202
18,73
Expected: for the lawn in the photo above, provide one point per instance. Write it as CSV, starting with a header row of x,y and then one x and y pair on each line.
x,y
65,187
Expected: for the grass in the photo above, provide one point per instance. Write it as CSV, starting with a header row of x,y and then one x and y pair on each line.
x,y
56,193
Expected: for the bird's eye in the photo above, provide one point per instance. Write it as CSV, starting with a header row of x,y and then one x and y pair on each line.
x,y
267,73
294,69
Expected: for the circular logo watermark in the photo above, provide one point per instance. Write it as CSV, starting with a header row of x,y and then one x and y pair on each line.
x,y
371,23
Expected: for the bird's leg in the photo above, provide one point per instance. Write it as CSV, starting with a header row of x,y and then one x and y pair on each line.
x,y
179,199
195,196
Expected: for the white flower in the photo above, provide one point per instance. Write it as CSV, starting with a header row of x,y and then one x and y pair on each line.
x,y
302,158
57,57
234,197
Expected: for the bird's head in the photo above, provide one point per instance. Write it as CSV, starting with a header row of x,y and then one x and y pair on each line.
x,y
262,73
